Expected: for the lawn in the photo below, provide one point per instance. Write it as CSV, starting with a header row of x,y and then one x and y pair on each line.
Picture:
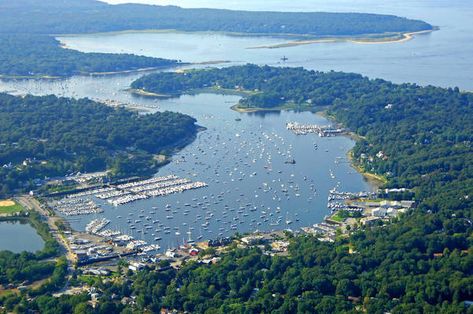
x,y
337,218
9,207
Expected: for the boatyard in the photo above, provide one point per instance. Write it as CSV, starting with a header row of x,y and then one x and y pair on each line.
x,y
353,210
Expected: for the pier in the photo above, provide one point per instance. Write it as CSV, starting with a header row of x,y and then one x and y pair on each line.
x,y
321,130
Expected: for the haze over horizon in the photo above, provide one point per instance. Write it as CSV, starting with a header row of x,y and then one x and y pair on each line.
x,y
360,6
386,7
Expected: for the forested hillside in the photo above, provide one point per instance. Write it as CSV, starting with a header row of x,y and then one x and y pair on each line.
x,y
68,16
30,51
49,136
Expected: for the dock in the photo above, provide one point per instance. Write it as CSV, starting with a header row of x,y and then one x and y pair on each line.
x,y
321,130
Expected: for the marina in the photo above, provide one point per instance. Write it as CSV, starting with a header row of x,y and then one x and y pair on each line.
x,y
83,203
76,205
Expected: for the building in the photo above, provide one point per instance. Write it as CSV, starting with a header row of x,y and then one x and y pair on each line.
x,y
280,246
81,255
253,240
379,212
392,212
193,252
135,266
369,221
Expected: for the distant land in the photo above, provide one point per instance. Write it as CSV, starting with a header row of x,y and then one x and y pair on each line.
x,y
26,27
33,55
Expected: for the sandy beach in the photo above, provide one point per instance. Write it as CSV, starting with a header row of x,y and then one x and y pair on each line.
x,y
400,38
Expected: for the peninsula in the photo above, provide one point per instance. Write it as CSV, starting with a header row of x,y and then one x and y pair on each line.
x,y
45,137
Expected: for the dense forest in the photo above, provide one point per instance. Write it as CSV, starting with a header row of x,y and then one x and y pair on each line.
x,y
49,136
30,51
35,55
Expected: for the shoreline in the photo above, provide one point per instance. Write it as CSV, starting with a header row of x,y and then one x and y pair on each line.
x,y
300,39
374,180
132,71
405,37
222,91
395,38
176,31
253,109
144,93
51,77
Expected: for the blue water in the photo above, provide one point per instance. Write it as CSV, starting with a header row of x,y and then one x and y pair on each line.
x,y
18,236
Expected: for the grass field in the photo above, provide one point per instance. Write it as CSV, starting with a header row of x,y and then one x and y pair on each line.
x,y
337,218
9,207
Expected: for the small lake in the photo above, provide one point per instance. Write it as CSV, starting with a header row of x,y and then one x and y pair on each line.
x,y
18,236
